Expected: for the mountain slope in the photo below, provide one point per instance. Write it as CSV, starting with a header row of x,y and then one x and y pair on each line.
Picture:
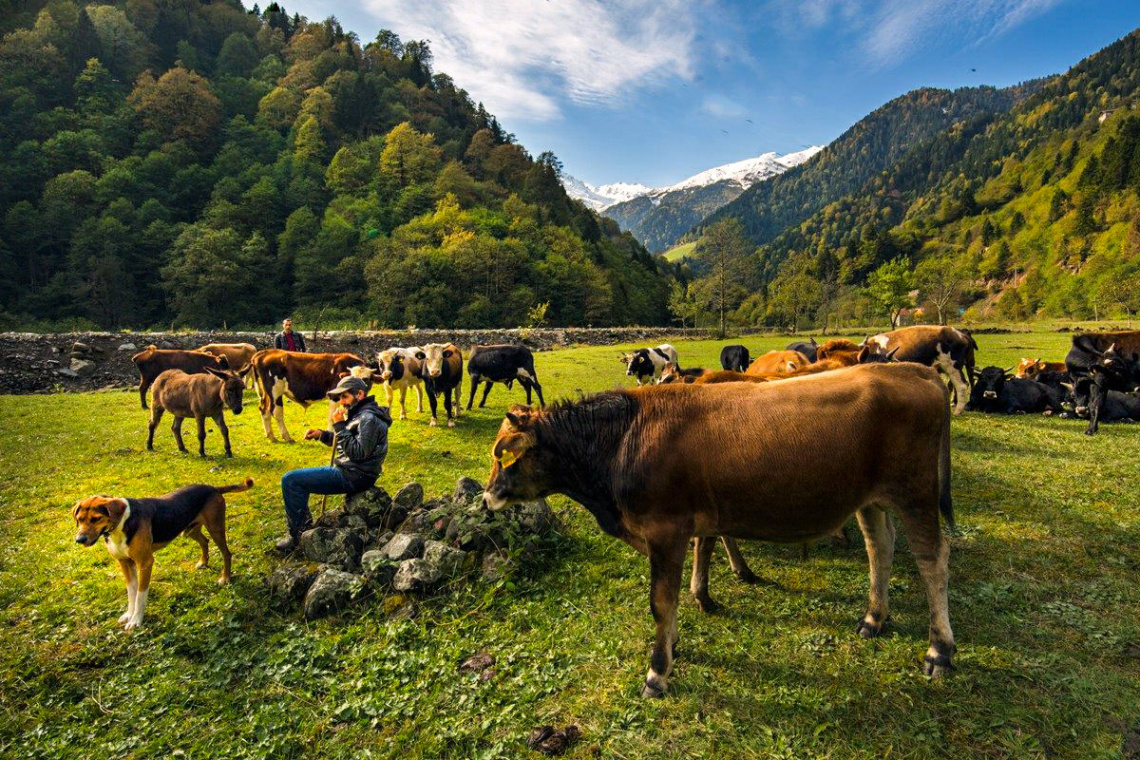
x,y
658,216
868,147
203,165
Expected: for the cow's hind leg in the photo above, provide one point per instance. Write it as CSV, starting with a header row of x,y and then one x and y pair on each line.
x,y
699,581
474,380
486,393
879,536
155,418
736,561
666,564
932,555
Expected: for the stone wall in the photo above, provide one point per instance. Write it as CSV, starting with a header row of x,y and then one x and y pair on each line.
x,y
42,363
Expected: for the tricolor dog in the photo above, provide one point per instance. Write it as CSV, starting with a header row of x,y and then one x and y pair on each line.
x,y
134,529
646,364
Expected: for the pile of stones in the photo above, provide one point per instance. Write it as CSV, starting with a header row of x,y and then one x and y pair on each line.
x,y
402,547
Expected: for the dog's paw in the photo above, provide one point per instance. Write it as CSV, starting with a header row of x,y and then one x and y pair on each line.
x,y
132,624
124,618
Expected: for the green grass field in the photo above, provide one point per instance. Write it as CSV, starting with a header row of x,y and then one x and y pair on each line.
x,y
678,252
1044,600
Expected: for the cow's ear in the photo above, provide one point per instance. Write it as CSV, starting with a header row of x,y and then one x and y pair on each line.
x,y
864,352
813,341
510,448
217,372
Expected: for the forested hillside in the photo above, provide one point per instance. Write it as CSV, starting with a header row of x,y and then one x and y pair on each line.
x,y
874,143
1030,213
171,161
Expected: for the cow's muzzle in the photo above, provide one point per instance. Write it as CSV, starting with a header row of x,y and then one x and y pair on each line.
x,y
989,394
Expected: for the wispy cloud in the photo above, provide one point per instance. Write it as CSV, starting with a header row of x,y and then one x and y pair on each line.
x,y
523,58
722,107
891,30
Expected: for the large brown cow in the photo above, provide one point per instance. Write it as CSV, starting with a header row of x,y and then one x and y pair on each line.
x,y
303,378
777,363
239,355
947,349
658,465
152,361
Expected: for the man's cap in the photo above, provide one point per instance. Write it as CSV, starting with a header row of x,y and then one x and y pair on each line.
x,y
348,384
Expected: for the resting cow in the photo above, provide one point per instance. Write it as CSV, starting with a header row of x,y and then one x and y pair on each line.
x,y
947,349
996,392
674,373
735,358
645,364
1031,368
656,466
399,369
1116,407
303,378
807,348
778,363
152,361
502,363
441,368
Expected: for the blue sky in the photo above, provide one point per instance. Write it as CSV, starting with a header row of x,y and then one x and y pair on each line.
x,y
653,91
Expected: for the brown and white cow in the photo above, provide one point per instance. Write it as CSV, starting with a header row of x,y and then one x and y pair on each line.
x,y
441,368
1031,368
303,378
152,361
658,465
947,349
399,370
777,363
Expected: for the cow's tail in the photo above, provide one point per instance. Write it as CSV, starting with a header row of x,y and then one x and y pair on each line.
x,y
245,486
945,500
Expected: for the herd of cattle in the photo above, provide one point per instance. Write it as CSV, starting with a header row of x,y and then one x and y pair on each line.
x,y
1098,381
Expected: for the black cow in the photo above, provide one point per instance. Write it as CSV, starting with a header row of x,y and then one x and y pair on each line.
x,y
1087,349
1116,406
807,349
996,392
502,364
1112,371
735,358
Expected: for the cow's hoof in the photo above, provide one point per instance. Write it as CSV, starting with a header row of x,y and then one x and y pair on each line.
x,y
201,566
451,423
652,691
149,447
1090,432
404,416
747,576
707,605
229,455
432,423
224,580
937,667
869,630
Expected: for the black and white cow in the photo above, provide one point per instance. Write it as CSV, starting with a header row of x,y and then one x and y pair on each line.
x,y
807,349
947,349
441,369
648,362
997,392
399,370
502,364
735,358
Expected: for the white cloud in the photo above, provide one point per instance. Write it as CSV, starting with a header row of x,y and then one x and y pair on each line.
x,y
722,107
524,57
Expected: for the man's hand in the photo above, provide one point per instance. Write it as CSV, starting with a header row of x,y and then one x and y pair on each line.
x,y
339,414
312,435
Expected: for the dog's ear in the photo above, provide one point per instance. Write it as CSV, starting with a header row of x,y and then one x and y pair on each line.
x,y
75,511
115,509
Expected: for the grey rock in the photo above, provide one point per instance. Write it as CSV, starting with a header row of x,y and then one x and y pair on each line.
x,y
289,583
373,504
449,560
338,547
467,490
536,516
82,367
410,496
404,546
419,521
416,575
377,567
80,349
496,566
66,372
128,347
331,592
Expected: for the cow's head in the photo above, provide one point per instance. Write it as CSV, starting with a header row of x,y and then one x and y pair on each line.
x,y
96,516
390,364
868,356
233,385
433,355
671,373
990,382
1077,396
1114,362
519,466
1029,367
638,364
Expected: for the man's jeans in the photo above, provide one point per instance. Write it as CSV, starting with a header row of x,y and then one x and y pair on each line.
x,y
296,485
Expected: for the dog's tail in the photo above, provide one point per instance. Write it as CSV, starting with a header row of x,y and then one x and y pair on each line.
x,y
248,484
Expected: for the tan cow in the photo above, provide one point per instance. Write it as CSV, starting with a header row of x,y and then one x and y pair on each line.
x,y
1031,368
239,355
441,369
657,465
778,363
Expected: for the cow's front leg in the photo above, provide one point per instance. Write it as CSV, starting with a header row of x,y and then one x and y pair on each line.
x,y
279,415
403,402
267,419
666,563
432,403
447,405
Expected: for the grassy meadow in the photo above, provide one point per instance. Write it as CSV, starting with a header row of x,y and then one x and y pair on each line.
x,y
1044,601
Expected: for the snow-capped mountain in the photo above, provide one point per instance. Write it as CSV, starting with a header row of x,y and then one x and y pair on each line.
x,y
658,215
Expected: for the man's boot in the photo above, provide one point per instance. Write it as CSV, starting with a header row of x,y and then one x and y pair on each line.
x,y
290,542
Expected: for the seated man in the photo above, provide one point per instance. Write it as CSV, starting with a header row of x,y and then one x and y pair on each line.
x,y
287,340
360,439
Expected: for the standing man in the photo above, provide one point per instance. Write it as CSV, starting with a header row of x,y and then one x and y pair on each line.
x,y
287,340
360,440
